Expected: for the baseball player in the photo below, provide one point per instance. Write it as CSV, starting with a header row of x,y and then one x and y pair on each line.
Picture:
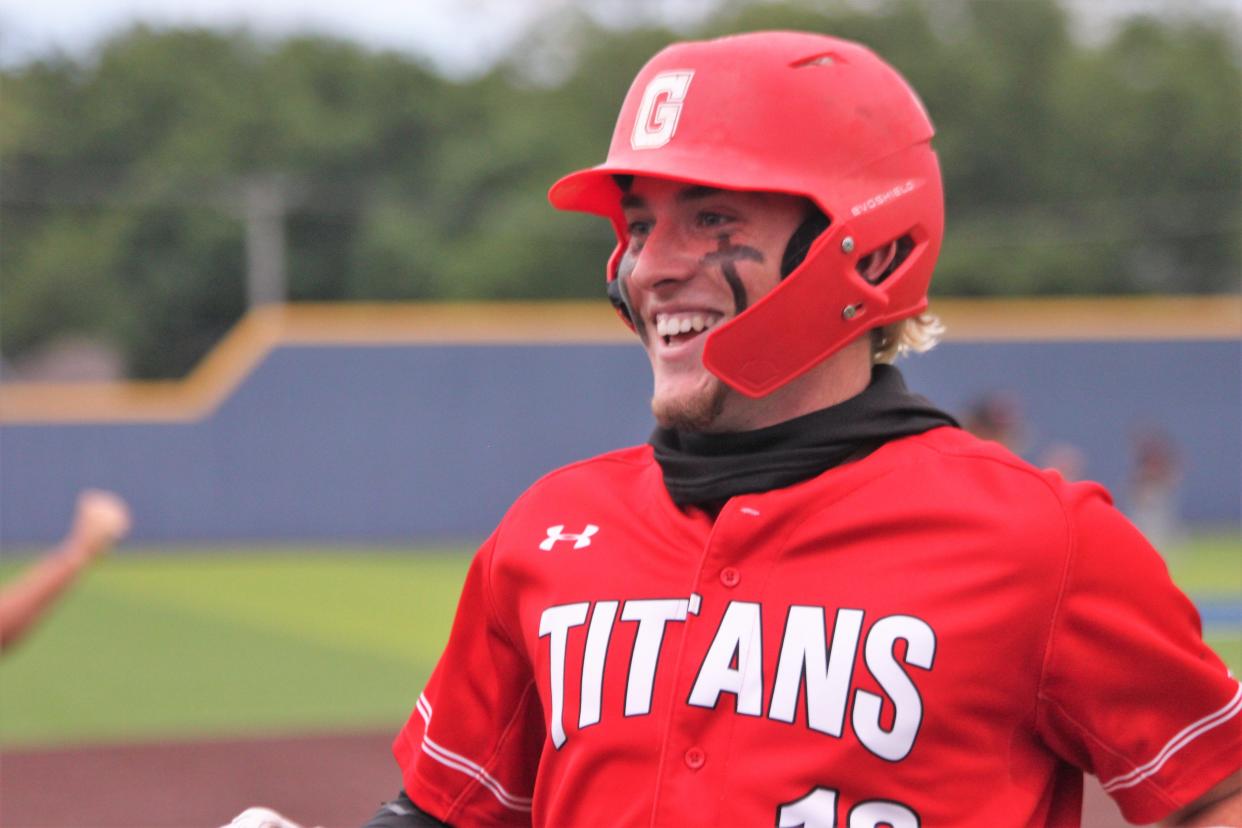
x,y
811,599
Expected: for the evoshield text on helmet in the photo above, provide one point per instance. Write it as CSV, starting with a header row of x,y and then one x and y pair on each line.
x,y
796,113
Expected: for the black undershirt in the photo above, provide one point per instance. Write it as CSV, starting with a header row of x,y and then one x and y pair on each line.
x,y
705,470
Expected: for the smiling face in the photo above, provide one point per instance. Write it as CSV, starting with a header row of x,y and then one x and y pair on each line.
x,y
697,257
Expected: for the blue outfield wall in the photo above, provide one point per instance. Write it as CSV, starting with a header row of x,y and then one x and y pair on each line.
x,y
418,442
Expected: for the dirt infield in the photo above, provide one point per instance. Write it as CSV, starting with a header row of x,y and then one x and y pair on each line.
x,y
333,781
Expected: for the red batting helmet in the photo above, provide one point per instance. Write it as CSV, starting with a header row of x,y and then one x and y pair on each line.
x,y
797,113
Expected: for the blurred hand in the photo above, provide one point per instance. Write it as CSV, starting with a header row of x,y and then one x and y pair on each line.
x,y
260,818
102,518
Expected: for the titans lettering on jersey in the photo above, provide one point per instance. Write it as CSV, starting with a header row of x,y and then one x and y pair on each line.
x,y
815,662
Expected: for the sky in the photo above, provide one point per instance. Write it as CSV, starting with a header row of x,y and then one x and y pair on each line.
x,y
460,37
458,33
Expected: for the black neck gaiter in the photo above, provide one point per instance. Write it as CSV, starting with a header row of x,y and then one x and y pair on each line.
x,y
707,469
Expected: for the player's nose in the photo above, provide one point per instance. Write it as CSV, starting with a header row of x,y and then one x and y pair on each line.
x,y
664,261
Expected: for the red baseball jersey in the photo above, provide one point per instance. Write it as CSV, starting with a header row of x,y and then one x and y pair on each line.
x,y
936,635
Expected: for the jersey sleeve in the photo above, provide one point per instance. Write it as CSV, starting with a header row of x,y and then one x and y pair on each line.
x,y
1130,692
469,752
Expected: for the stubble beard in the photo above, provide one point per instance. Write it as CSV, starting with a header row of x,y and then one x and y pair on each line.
x,y
694,411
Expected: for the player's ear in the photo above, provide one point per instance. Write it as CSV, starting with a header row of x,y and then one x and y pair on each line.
x,y
878,263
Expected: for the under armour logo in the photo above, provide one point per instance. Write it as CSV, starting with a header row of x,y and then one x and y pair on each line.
x,y
557,533
659,110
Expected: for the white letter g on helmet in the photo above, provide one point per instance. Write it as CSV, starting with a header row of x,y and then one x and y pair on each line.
x,y
661,106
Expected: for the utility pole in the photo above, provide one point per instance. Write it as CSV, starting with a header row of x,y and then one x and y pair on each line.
x,y
265,205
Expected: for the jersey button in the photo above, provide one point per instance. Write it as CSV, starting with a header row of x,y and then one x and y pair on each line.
x,y
730,577
695,757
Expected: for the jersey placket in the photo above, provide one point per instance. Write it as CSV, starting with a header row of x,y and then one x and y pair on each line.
x,y
701,749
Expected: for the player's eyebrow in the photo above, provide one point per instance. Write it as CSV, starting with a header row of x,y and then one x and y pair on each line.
x,y
696,193
692,193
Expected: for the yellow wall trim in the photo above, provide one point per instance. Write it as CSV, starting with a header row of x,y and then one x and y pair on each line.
x,y
246,345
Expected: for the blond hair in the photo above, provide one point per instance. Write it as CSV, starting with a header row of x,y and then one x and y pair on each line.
x,y
918,334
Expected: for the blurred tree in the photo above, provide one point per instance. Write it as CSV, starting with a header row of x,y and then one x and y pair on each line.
x,y
149,151
1071,166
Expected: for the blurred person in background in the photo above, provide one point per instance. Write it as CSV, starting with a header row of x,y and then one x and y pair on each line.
x,y
812,599
1069,460
100,520
997,416
1155,479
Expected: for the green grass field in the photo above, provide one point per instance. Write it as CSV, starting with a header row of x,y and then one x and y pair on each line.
x,y
231,642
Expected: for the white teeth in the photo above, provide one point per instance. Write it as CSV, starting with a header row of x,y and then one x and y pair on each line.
x,y
668,324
